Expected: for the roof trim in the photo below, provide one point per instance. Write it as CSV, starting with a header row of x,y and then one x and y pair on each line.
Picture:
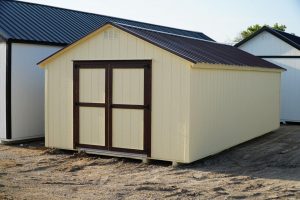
x,y
36,42
236,67
273,32
123,29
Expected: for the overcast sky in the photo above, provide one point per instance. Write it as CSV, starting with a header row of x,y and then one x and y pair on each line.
x,y
222,20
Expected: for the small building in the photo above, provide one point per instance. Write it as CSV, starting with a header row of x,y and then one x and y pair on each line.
x,y
282,49
28,33
130,91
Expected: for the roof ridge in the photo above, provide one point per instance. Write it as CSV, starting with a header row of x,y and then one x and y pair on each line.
x,y
157,31
112,17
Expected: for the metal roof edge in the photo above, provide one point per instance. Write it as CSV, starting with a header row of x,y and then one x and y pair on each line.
x,y
203,65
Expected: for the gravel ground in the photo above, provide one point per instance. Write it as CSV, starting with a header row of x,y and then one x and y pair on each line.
x,y
264,168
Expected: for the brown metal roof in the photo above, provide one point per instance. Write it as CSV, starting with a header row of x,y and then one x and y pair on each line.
x,y
197,50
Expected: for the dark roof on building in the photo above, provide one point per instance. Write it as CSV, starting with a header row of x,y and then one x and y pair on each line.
x,y
40,23
291,39
196,50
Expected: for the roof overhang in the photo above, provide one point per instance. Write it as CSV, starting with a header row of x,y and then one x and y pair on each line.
x,y
235,67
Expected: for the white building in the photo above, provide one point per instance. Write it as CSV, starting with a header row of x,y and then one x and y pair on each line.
x,y
282,49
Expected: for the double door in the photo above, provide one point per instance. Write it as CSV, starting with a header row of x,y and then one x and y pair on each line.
x,y
112,105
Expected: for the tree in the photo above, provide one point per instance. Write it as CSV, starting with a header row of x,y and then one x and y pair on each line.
x,y
251,29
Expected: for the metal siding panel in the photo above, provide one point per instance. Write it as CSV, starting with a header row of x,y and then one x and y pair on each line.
x,y
290,93
2,90
229,107
28,90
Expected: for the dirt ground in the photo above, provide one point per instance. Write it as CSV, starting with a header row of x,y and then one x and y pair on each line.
x,y
264,168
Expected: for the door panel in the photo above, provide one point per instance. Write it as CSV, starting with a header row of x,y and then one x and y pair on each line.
x,y
128,86
128,128
92,85
92,126
112,105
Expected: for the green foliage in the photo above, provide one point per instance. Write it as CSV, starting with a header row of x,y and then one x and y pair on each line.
x,y
252,29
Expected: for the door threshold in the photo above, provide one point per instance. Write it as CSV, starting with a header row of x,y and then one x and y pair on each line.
x,y
113,153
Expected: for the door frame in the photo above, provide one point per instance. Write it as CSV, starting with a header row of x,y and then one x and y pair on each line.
x,y
109,65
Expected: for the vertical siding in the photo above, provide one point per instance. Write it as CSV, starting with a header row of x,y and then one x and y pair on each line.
x,y
2,90
128,86
128,128
170,91
268,44
229,107
290,92
92,126
92,85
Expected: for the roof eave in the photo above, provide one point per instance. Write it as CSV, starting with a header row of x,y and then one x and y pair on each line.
x,y
237,67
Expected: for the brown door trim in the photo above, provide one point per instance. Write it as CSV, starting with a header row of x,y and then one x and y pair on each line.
x,y
75,107
109,65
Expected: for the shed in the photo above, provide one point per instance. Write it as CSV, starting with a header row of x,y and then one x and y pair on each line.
x,y
136,92
28,33
282,49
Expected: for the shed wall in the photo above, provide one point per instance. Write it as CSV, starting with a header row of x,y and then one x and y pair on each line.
x,y
27,90
229,107
290,92
2,90
267,44
170,91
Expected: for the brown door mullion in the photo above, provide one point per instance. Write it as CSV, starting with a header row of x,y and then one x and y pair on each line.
x,y
109,107
147,111
75,106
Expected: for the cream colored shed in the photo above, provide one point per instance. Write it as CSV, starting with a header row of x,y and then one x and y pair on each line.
x,y
134,92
